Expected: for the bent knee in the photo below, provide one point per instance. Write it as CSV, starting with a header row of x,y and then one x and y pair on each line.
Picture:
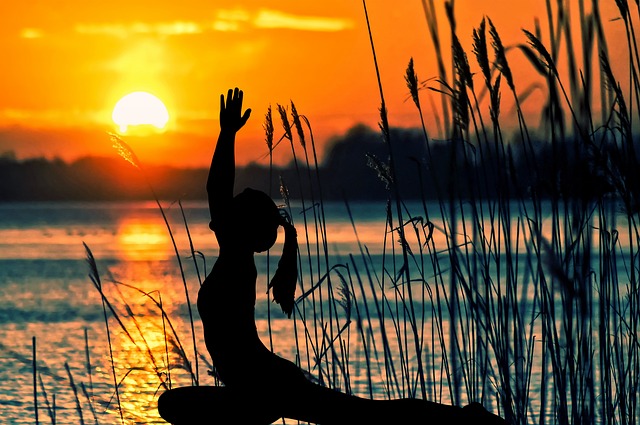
x,y
188,405
168,407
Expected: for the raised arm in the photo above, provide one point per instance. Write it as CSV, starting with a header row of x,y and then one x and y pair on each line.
x,y
222,171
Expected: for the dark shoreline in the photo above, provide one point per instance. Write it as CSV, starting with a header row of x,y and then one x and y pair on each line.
x,y
356,166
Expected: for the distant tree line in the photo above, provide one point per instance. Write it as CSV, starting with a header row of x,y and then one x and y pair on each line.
x,y
356,166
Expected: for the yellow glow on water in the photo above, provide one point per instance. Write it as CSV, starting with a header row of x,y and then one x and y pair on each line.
x,y
148,356
143,364
143,240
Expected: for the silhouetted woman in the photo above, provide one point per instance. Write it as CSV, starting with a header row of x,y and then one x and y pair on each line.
x,y
259,386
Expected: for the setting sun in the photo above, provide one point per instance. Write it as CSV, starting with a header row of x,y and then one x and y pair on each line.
x,y
140,109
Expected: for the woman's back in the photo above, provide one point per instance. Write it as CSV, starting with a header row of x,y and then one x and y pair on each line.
x,y
226,303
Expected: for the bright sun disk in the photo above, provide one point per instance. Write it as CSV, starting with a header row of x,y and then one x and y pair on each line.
x,y
140,109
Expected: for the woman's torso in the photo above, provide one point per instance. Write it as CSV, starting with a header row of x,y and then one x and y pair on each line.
x,y
226,303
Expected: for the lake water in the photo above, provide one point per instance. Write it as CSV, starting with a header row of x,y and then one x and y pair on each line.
x,y
46,293
47,297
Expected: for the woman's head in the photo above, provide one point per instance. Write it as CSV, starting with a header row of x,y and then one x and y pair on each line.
x,y
258,218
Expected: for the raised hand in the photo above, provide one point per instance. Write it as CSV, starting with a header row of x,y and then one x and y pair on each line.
x,y
231,117
220,182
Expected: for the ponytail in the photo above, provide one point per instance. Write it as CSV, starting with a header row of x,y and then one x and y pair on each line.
x,y
286,277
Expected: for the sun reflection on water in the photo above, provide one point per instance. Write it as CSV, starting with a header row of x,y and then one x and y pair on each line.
x,y
150,355
143,239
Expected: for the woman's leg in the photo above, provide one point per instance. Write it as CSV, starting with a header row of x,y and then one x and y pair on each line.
x,y
213,404
313,404
331,407
295,397
317,404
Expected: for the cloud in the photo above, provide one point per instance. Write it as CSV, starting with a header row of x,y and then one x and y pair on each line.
x,y
277,19
235,15
31,33
52,117
226,20
141,28
230,19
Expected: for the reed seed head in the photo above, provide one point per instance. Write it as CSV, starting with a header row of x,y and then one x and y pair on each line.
x,y
480,50
501,57
285,122
125,151
494,109
297,124
538,47
268,128
382,169
284,191
461,63
412,83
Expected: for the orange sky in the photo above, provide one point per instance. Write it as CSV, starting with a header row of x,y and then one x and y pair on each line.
x,y
66,63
